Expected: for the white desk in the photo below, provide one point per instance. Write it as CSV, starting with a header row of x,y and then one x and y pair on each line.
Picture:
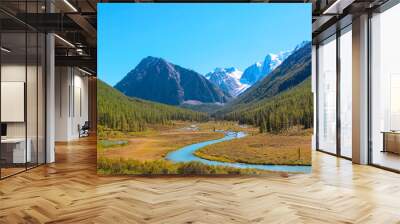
x,y
18,151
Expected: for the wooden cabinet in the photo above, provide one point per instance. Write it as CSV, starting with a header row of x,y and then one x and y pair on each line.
x,y
391,142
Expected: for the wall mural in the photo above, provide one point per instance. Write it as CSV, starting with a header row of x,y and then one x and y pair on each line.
x,y
203,89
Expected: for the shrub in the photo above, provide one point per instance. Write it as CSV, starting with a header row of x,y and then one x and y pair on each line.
x,y
157,167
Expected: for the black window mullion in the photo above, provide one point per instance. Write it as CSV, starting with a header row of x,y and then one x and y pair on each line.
x,y
316,97
37,90
338,77
26,87
369,89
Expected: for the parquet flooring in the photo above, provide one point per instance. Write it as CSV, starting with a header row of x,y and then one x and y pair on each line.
x,y
69,191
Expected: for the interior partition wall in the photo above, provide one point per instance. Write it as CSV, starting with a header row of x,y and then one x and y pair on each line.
x,y
385,89
22,78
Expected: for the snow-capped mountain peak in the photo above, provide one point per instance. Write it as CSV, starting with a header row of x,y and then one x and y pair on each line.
x,y
234,81
302,44
259,70
227,79
234,73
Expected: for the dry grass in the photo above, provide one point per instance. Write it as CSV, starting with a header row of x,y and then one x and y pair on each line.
x,y
288,149
228,126
161,167
155,143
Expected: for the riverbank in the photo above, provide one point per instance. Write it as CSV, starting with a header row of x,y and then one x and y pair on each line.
x,y
199,148
265,149
108,166
187,155
155,143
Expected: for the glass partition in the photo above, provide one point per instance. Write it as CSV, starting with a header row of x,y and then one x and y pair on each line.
x,y
346,92
31,97
385,89
327,95
14,153
22,78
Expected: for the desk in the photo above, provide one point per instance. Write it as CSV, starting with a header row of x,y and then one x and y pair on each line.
x,y
391,141
13,150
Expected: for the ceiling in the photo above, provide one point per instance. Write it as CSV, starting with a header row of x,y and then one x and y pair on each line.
x,y
75,22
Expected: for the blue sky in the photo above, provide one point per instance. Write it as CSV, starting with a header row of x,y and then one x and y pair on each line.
x,y
196,36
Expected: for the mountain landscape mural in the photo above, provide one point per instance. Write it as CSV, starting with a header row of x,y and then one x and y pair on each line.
x,y
167,117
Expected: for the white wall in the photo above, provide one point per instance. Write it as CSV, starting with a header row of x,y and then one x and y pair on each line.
x,y
62,82
80,111
71,102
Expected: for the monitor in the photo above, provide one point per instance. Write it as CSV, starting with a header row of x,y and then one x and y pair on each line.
x,y
3,129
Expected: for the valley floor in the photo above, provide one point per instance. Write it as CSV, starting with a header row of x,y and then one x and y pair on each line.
x,y
156,144
149,148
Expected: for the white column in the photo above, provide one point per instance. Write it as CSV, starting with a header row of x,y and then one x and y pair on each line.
x,y
50,99
360,90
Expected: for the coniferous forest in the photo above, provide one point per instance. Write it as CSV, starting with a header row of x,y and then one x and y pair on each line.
x,y
293,107
119,112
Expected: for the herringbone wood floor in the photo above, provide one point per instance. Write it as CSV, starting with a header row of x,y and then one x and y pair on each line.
x,y
69,191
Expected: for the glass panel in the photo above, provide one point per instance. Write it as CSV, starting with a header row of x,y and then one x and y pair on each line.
x,y
13,87
346,94
31,98
23,90
32,89
385,84
327,96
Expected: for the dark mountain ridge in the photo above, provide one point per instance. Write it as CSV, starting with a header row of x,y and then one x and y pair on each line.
x,y
158,80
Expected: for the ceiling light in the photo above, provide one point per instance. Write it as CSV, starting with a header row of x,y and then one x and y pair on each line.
x,y
79,51
337,7
70,5
5,50
84,71
65,41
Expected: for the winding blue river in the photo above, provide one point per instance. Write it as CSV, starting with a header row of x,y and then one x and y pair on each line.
x,y
185,154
